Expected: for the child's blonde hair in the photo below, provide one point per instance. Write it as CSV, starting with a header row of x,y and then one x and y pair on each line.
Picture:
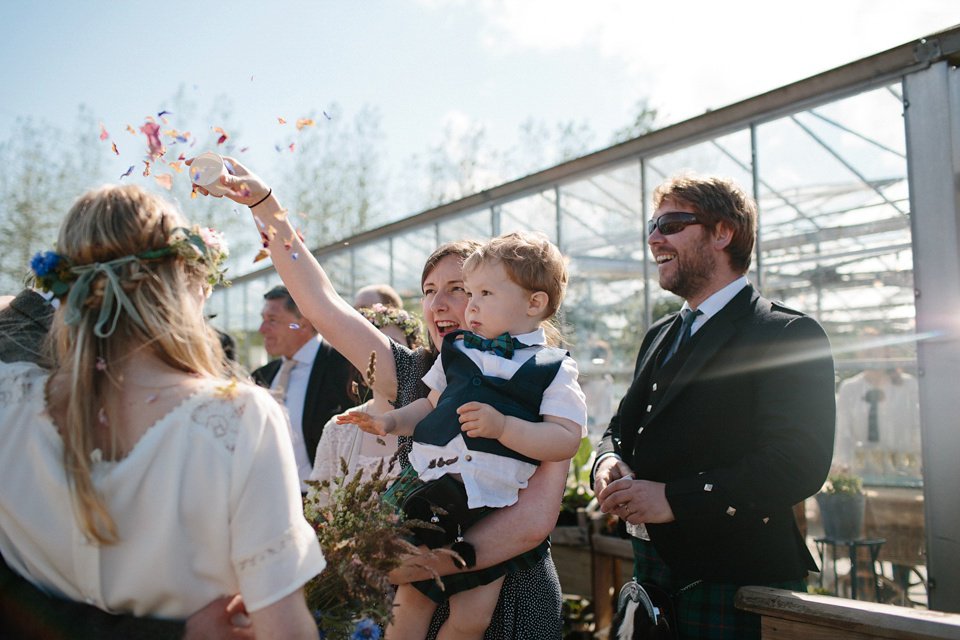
x,y
531,261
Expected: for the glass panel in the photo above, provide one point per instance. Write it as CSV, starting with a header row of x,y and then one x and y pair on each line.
x,y
835,242
602,236
410,253
371,263
533,213
469,226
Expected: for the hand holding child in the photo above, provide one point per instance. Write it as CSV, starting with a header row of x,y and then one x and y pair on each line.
x,y
479,420
377,425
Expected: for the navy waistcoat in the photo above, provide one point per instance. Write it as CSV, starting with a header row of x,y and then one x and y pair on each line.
x,y
519,396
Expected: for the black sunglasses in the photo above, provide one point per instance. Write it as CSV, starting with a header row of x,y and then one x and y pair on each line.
x,y
672,222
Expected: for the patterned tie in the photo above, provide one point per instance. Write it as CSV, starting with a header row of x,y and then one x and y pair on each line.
x,y
283,379
503,345
688,317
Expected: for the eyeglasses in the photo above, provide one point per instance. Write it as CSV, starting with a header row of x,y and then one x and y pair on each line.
x,y
672,222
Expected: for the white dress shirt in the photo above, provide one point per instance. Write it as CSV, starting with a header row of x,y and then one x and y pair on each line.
x,y
296,396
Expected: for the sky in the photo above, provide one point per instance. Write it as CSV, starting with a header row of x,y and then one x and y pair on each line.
x,y
426,64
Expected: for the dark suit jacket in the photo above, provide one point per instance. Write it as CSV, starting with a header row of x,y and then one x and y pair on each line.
x,y
327,393
739,425
23,326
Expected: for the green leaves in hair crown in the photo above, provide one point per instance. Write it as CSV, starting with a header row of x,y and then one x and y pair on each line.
x,y
56,273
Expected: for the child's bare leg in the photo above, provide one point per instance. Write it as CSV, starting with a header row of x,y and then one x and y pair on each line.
x,y
411,614
471,612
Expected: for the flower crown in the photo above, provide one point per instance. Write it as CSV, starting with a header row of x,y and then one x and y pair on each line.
x,y
56,273
381,315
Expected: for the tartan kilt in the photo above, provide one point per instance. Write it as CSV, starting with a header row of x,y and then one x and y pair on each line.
x,y
704,609
465,580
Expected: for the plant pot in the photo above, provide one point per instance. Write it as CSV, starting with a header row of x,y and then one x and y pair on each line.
x,y
842,514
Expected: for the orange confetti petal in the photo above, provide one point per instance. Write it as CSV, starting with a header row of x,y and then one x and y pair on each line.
x,y
146,170
304,122
176,166
264,253
113,146
300,235
165,180
193,192
131,130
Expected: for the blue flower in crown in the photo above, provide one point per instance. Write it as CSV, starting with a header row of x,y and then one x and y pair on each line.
x,y
366,629
44,262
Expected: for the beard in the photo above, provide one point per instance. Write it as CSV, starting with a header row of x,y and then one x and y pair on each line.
x,y
693,273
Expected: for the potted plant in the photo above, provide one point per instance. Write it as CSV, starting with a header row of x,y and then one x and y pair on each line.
x,y
842,502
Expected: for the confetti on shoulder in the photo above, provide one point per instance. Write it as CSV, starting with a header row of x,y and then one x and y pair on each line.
x,y
227,390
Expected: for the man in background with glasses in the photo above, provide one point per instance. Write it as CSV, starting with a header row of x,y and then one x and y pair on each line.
x,y
728,423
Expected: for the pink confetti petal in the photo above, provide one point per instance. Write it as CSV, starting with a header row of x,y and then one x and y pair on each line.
x,y
103,132
165,180
152,131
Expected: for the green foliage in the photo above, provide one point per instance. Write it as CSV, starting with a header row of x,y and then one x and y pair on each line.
x,y
578,492
843,482
362,539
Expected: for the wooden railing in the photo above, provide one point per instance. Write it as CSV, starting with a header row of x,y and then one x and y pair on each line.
x,y
788,615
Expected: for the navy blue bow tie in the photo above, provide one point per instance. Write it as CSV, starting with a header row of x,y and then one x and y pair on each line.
x,y
503,345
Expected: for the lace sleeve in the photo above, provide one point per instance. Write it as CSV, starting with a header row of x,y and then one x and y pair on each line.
x,y
411,367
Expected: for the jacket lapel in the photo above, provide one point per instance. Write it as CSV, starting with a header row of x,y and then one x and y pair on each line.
x,y
713,335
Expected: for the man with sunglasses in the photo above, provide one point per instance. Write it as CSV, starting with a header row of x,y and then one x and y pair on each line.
x,y
728,423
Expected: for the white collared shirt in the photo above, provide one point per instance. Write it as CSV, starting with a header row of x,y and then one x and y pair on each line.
x,y
715,303
296,400
492,480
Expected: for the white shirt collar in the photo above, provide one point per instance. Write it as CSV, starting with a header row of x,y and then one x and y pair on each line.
x,y
538,336
308,352
712,305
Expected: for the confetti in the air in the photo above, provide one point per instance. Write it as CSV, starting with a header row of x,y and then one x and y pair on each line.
x,y
103,132
165,180
113,146
264,253
281,120
326,116
164,113
244,149
291,147
152,131
129,171
131,130
176,166
146,170
304,122
223,134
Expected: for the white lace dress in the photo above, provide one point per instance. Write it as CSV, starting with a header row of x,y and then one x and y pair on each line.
x,y
361,451
207,504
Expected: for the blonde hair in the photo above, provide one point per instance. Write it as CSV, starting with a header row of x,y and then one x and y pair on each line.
x,y
103,225
532,262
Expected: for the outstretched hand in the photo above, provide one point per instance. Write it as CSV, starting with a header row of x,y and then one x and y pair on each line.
x,y
377,425
244,186
479,420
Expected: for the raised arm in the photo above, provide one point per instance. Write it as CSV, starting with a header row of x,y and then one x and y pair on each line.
x,y
337,321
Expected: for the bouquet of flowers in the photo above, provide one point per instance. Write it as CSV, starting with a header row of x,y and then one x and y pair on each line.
x,y
363,539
